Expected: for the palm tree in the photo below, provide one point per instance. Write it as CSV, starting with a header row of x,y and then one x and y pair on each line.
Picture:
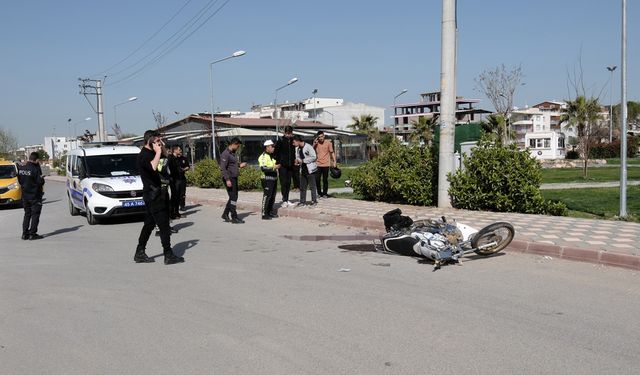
x,y
496,124
423,129
583,115
366,124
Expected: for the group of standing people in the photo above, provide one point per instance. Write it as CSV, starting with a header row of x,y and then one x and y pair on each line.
x,y
289,159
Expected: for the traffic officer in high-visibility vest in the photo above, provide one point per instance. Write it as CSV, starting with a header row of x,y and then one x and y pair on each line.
x,y
269,169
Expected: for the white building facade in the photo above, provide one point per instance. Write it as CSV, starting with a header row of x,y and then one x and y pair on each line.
x,y
330,111
56,147
533,129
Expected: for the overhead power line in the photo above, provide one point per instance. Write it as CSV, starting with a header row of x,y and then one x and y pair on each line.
x,y
144,43
168,45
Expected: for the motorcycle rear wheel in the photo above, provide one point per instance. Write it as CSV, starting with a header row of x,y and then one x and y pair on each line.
x,y
502,233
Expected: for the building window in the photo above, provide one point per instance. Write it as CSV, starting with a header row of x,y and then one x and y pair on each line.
x,y
540,143
560,142
405,120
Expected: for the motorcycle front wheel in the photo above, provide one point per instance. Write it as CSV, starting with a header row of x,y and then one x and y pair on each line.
x,y
500,233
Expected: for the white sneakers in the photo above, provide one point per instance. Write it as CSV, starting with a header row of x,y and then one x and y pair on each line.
x,y
286,204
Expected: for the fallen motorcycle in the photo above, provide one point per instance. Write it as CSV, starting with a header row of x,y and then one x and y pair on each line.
x,y
441,240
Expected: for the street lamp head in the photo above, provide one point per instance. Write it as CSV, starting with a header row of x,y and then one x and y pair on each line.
x,y
87,119
403,91
132,98
315,91
238,53
611,68
293,80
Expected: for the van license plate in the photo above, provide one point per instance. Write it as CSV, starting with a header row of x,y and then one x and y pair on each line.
x,y
137,203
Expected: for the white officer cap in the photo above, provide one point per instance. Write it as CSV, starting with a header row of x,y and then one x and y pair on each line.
x,y
268,142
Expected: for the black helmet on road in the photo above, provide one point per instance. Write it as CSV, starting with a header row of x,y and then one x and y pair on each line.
x,y
335,172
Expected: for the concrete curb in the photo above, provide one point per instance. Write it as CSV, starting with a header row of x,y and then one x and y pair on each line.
x,y
524,246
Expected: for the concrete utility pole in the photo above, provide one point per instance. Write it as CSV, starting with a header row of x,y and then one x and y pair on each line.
x,y
623,117
447,100
86,88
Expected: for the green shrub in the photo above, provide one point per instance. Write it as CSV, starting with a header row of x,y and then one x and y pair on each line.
x,y
500,178
401,174
612,150
572,155
205,174
249,178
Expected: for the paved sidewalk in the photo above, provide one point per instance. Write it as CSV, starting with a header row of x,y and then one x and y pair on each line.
x,y
597,241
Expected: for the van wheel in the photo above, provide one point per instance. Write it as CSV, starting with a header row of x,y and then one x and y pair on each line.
x,y
73,211
92,220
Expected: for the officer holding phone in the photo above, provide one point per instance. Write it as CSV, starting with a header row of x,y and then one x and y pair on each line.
x,y
155,195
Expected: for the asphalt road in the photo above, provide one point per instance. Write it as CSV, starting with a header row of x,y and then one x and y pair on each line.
x,y
249,301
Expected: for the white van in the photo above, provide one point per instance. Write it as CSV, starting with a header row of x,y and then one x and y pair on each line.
x,y
103,181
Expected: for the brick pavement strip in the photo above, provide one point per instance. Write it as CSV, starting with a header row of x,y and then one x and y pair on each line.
x,y
531,230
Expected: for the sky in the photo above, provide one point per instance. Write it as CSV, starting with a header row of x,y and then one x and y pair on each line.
x,y
361,51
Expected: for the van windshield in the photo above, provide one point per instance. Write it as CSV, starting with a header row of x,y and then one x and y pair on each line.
x,y
112,165
7,171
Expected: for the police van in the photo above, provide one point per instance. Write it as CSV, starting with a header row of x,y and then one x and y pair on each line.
x,y
103,181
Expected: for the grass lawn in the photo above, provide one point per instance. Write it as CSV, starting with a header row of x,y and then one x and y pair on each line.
x,y
339,182
594,174
596,203
630,161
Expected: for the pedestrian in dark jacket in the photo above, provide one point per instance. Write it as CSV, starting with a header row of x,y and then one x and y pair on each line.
x,y
31,182
230,169
175,183
156,202
285,154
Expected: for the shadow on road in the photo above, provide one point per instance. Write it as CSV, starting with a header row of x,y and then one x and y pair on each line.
x,y
359,247
63,230
48,201
180,248
183,225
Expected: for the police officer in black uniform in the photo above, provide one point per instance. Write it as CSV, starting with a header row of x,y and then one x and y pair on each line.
x,y
155,195
31,181
230,168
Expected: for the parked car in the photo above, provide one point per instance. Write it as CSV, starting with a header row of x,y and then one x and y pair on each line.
x,y
10,191
103,181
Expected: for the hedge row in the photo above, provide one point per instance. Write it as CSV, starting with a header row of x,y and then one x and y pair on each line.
x,y
206,174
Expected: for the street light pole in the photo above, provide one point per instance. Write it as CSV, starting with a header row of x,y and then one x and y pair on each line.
x,y
275,102
213,121
115,107
611,69
332,123
623,117
75,136
315,114
394,110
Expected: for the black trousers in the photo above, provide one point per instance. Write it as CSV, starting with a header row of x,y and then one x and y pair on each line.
x,y
323,180
269,188
178,191
286,174
182,191
308,180
232,191
296,177
32,209
156,213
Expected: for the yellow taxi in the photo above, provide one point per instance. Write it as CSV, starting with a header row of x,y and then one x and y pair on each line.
x,y
10,192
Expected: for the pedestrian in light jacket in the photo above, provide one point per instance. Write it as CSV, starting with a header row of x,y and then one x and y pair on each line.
x,y
306,159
